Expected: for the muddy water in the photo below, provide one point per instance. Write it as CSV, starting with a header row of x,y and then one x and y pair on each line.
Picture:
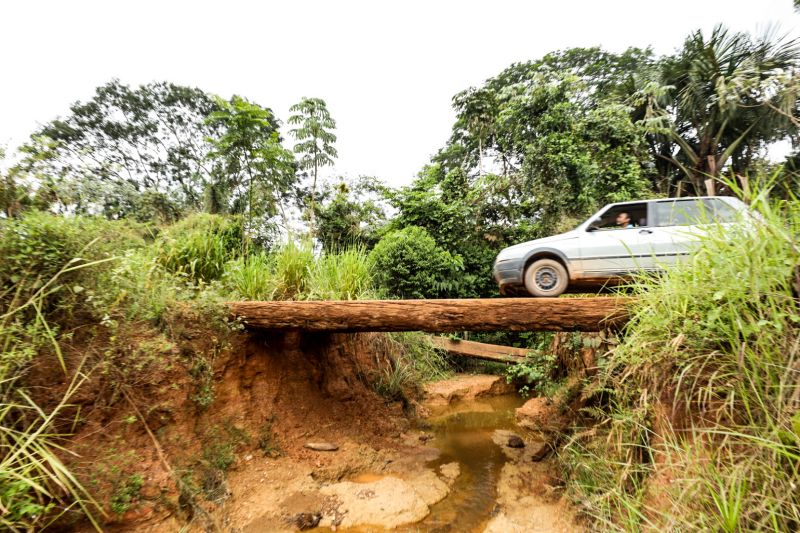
x,y
463,433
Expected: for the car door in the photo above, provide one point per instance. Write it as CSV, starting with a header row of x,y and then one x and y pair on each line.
x,y
609,250
679,225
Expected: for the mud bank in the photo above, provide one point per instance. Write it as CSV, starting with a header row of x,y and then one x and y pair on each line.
x,y
285,432
465,467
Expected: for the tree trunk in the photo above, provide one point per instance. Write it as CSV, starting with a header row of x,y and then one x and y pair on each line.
x,y
312,215
493,314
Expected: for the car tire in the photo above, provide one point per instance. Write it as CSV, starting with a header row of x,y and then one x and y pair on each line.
x,y
546,277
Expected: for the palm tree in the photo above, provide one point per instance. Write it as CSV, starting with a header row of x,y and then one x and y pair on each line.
x,y
724,96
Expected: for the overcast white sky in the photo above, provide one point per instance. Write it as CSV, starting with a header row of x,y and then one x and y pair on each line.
x,y
387,69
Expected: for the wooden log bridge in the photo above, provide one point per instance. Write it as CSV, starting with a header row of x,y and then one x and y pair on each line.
x,y
436,316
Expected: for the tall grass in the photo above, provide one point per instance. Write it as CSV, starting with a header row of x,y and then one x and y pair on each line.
x,y
346,275
701,430
294,273
36,487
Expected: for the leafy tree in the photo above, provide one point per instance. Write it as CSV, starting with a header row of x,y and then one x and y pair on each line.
x,y
314,133
485,125
409,264
123,142
258,170
12,194
471,218
350,214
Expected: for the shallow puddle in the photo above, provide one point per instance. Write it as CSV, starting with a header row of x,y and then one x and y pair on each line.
x,y
463,433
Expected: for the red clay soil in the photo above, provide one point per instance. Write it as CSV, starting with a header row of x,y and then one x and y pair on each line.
x,y
270,391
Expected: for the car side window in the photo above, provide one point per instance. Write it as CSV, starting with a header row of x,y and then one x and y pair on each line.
x,y
693,211
625,216
721,211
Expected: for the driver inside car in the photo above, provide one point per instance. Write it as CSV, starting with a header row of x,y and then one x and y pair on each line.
x,y
624,220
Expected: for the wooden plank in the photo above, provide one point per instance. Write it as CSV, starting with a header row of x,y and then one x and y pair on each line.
x,y
438,316
480,350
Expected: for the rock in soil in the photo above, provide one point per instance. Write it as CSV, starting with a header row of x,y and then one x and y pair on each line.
x,y
321,446
539,450
389,502
514,441
305,521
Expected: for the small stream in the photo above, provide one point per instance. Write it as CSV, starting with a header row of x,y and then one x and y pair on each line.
x,y
463,433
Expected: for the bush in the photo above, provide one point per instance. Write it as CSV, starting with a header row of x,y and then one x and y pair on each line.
x,y
409,264
199,246
37,246
704,391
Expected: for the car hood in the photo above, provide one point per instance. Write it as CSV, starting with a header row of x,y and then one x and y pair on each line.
x,y
520,250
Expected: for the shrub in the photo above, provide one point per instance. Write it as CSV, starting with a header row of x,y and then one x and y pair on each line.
x,y
409,264
36,247
200,245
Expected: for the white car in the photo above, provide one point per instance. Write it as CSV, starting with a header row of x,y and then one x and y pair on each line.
x,y
617,241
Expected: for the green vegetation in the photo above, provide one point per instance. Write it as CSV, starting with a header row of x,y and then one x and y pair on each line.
x,y
144,203
125,493
409,264
415,360
703,391
199,247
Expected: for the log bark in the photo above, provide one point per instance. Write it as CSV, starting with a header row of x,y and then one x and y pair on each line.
x,y
438,316
480,350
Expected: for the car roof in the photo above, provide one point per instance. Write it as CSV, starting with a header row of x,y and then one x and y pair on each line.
x,y
663,200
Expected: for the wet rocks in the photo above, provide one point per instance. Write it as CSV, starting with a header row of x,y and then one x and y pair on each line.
x,y
520,450
450,471
321,446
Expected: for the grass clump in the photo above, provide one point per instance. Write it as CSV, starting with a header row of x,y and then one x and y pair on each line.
x,y
414,360
293,272
704,390
199,246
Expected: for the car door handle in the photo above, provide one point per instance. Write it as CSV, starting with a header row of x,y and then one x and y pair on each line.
x,y
645,231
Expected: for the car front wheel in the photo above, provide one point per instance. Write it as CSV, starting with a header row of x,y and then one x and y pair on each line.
x,y
546,277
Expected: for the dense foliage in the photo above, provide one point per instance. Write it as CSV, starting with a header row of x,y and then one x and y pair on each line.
x,y
409,264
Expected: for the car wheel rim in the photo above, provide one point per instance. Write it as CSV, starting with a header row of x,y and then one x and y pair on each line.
x,y
546,278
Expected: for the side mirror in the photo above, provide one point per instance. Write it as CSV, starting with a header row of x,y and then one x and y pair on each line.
x,y
593,226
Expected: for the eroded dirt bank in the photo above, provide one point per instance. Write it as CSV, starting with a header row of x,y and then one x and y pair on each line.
x,y
465,466
230,433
